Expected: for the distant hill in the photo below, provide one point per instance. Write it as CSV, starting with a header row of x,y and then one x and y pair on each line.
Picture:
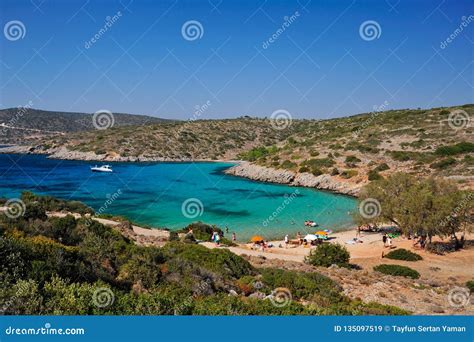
x,y
20,124
355,149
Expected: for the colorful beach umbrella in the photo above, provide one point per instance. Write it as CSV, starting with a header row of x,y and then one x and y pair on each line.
x,y
256,238
310,237
321,232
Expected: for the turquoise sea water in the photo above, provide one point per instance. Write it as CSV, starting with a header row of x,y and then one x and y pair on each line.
x,y
173,195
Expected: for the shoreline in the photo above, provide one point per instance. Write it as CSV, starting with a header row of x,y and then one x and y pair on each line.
x,y
242,169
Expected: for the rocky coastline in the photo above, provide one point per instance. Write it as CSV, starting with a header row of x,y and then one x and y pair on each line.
x,y
322,182
242,169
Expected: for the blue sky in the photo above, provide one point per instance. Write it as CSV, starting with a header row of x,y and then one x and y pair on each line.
x,y
318,66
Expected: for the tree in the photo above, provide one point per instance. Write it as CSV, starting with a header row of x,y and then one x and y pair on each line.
x,y
429,207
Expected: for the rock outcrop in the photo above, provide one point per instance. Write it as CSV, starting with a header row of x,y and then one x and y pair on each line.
x,y
322,182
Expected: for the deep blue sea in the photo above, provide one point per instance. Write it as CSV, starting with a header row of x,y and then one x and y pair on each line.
x,y
173,195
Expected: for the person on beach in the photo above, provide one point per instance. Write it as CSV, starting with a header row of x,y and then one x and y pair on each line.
x,y
384,240
234,237
217,239
286,241
298,237
389,242
358,233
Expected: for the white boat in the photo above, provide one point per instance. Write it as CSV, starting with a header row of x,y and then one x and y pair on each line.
x,y
103,168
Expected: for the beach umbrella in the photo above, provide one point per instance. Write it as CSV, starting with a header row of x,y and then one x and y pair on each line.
x,y
321,232
310,237
329,231
256,238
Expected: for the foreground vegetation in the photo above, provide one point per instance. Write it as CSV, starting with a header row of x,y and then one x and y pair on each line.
x,y
53,265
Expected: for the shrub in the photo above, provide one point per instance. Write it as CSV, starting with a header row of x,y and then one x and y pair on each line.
x,y
288,164
201,231
304,169
348,174
328,254
220,261
470,285
373,175
443,164
302,285
397,270
352,159
382,167
462,147
403,254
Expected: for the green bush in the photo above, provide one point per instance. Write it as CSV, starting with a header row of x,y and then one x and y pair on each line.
x,y
443,164
309,286
403,254
397,270
373,175
346,174
201,231
328,254
459,148
382,167
470,285
288,164
221,261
